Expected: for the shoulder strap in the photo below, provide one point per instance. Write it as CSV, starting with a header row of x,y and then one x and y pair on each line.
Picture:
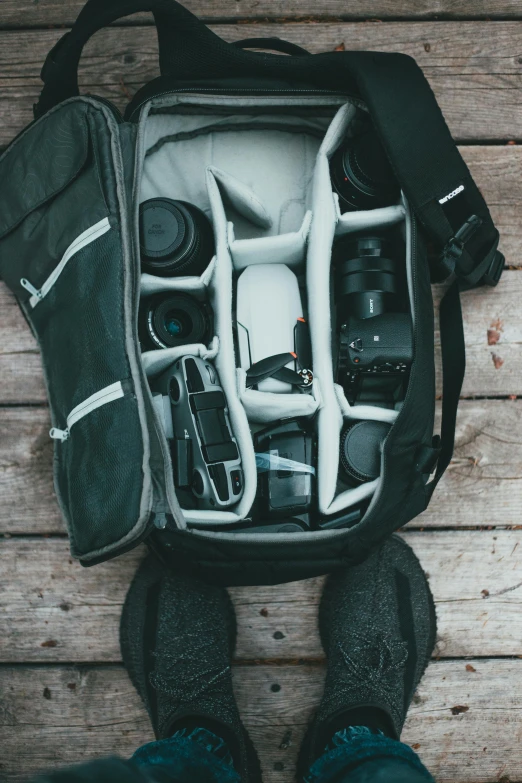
x,y
429,166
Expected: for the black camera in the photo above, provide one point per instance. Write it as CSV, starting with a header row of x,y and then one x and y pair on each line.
x,y
375,328
361,174
167,320
176,238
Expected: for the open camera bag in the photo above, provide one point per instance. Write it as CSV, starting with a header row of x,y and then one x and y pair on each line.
x,y
70,189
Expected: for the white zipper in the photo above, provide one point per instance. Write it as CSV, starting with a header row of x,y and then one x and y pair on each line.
x,y
88,236
102,397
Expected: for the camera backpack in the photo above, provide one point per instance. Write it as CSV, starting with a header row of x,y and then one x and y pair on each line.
x,y
247,136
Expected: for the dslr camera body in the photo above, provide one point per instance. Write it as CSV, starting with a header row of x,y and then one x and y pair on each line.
x,y
375,326
205,456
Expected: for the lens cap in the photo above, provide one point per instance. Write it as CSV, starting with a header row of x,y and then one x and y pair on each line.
x,y
162,228
361,449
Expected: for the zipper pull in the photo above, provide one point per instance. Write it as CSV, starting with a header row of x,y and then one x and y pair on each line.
x,y
57,434
30,287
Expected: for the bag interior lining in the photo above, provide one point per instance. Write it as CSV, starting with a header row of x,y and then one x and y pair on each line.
x,y
269,197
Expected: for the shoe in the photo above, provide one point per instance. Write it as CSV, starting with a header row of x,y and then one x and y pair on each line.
x,y
378,626
177,637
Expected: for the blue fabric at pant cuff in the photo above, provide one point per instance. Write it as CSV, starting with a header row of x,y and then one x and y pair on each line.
x,y
186,760
353,747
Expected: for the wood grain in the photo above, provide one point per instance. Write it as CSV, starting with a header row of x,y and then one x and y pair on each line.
x,y
63,715
53,610
27,13
482,486
473,67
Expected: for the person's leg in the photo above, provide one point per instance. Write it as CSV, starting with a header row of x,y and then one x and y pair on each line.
x,y
177,637
377,623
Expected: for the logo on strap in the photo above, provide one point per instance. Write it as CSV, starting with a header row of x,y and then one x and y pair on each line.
x,y
452,194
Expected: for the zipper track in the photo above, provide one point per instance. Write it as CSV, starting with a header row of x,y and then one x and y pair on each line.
x,y
245,91
83,240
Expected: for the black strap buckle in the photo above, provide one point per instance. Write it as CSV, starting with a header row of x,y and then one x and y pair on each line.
x,y
455,246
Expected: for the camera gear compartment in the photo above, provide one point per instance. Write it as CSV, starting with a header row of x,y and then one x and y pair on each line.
x,y
338,167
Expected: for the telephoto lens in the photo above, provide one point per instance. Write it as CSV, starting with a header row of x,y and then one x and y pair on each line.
x,y
360,450
362,175
176,238
170,320
367,282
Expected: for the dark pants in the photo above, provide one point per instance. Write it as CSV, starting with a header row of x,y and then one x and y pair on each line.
x,y
354,756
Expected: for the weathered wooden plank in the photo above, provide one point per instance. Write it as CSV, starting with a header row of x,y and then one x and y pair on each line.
x,y
493,368
473,67
53,610
62,715
56,13
481,487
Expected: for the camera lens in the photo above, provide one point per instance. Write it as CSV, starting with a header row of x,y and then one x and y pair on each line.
x,y
169,320
176,238
360,450
366,270
361,174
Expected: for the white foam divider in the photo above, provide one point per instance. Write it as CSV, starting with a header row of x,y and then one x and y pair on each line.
x,y
155,362
241,197
320,241
265,407
220,292
363,412
289,249
153,284
368,219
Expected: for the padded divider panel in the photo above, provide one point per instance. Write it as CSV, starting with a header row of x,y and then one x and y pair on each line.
x,y
329,420
265,407
368,219
155,362
180,146
220,289
286,249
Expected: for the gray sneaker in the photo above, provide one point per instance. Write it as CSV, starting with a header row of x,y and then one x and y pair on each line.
x,y
177,638
378,626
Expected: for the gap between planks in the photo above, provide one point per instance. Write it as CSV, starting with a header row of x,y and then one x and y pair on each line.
x,y
61,715
53,610
473,67
28,14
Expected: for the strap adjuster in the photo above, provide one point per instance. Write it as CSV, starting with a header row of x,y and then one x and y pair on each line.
x,y
455,246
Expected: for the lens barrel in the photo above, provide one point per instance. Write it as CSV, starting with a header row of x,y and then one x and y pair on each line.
x,y
366,272
176,238
361,174
170,320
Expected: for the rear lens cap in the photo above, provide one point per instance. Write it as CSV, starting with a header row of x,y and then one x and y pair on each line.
x,y
361,449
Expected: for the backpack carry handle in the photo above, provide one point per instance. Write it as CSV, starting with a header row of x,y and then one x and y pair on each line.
x,y
178,32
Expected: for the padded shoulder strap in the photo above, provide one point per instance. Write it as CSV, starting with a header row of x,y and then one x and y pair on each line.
x,y
429,166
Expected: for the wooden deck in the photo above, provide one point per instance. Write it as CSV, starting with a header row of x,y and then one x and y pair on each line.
x,y
64,694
